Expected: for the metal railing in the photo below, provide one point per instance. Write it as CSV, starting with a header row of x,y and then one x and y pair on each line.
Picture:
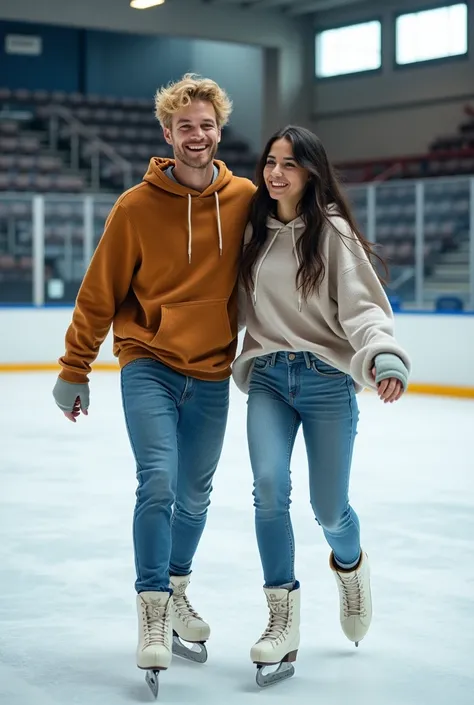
x,y
440,213
78,134
425,230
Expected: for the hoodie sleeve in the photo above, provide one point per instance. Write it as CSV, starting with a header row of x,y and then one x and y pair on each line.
x,y
103,289
364,311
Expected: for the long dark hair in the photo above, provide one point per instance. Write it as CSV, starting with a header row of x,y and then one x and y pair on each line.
x,y
321,191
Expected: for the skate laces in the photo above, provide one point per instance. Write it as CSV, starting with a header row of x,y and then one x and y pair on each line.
x,y
183,607
155,622
278,620
352,596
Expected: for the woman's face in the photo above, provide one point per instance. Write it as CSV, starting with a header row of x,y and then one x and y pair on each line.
x,y
284,179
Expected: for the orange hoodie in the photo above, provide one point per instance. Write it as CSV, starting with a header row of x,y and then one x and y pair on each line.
x,y
165,275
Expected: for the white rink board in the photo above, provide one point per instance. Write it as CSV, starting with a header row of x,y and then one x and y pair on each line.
x,y
441,346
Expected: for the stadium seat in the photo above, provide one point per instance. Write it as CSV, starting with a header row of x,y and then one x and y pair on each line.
x,y
449,303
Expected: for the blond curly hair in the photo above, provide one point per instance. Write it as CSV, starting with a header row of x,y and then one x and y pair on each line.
x,y
179,94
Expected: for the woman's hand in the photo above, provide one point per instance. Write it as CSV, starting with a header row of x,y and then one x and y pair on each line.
x,y
389,390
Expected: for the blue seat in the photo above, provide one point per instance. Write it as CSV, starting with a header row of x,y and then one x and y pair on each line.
x,y
449,303
395,303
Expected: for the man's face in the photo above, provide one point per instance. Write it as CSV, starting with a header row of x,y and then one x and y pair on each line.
x,y
194,134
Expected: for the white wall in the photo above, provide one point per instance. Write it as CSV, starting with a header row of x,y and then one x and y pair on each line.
x,y
441,346
397,111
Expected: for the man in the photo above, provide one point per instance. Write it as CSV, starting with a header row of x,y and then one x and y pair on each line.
x,y
165,275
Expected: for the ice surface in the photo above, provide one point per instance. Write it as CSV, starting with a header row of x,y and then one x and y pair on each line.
x,y
67,609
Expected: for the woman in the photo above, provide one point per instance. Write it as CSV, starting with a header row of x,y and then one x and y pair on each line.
x,y
319,329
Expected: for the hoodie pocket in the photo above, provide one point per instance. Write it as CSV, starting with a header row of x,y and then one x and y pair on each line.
x,y
193,331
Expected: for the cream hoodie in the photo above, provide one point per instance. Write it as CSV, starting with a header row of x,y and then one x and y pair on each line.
x,y
346,324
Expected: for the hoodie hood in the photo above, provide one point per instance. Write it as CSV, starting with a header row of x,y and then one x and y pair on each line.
x,y
275,224
156,176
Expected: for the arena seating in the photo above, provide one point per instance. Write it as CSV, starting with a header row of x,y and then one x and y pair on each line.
x,y
27,164
128,125
451,155
446,225
462,140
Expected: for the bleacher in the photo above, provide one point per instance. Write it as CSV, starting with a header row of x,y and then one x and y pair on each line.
x,y
445,171
27,165
38,155
42,125
446,220
451,155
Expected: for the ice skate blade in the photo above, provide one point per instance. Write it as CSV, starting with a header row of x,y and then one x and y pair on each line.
x,y
195,652
152,681
284,671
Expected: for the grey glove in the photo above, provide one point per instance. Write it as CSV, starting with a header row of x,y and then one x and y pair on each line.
x,y
389,365
66,393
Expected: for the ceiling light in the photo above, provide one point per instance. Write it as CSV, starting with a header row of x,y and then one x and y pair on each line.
x,y
145,4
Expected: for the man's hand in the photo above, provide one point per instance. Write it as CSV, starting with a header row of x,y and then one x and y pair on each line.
x,y
71,398
76,411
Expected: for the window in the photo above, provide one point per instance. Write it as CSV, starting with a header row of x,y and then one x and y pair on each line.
x,y
349,50
431,34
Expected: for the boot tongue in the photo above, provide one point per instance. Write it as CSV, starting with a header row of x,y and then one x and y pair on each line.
x,y
160,598
155,600
277,599
278,593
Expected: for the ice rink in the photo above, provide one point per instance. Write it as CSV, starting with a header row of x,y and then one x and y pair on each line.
x,y
67,604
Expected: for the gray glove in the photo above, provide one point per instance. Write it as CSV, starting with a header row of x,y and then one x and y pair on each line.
x,y
389,365
66,393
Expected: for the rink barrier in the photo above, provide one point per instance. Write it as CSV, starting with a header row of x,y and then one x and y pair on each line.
x,y
424,388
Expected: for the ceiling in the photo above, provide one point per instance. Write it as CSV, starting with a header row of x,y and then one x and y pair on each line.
x,y
293,8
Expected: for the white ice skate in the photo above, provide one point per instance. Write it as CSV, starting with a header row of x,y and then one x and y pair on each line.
x,y
188,626
355,598
278,645
155,635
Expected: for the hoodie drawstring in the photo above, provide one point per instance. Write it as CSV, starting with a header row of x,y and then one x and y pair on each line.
x,y
190,228
219,227
261,262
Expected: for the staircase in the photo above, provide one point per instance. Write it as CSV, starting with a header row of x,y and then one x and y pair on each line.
x,y
450,275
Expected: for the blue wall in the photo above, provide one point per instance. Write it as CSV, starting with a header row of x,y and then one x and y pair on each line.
x,y
117,64
133,65
93,61
57,68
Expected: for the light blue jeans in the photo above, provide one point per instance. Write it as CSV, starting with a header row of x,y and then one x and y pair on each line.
x,y
176,428
288,390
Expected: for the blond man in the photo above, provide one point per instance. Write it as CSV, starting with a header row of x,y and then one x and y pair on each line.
x,y
164,274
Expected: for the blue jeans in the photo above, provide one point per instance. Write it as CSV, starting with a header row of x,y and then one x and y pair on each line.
x,y
176,428
288,390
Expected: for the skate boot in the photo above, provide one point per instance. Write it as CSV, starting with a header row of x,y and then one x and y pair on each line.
x,y
278,645
155,635
355,598
187,624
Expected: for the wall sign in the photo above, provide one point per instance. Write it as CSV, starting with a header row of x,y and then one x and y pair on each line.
x,y
24,44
